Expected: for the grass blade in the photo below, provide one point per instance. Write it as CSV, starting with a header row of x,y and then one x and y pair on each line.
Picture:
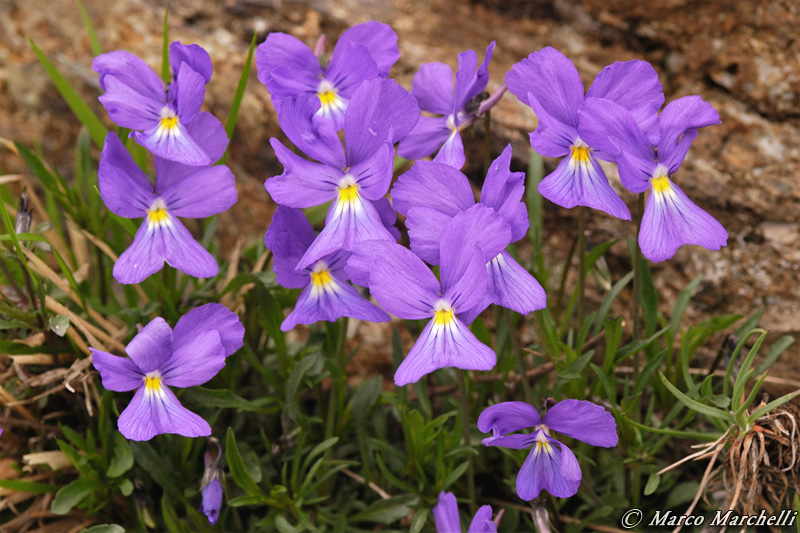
x,y
233,114
93,42
81,110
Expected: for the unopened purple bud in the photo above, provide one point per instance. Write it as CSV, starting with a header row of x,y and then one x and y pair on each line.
x,y
490,102
212,500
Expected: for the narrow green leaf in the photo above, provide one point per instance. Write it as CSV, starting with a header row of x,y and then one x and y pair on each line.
x,y
694,404
248,500
71,495
674,432
171,520
418,522
123,458
681,303
596,253
15,242
82,111
26,486
157,468
649,300
93,42
747,365
775,351
535,175
227,399
652,483
38,168
233,114
165,67
454,475
761,411
605,306
387,511
104,528
293,383
237,468
752,396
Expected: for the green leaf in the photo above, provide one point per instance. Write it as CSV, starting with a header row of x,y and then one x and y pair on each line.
x,y
123,458
157,468
649,300
681,303
364,398
165,67
292,384
94,44
418,522
126,487
283,525
694,404
26,486
59,324
82,111
227,399
652,483
233,114
38,168
454,474
605,306
237,468
248,500
104,528
761,411
775,351
387,511
534,201
71,495
171,520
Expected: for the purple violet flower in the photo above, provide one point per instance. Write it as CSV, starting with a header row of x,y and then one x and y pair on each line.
x,y
407,288
670,219
445,515
548,82
550,465
289,68
434,90
212,500
326,294
211,486
380,112
188,356
430,194
180,190
166,120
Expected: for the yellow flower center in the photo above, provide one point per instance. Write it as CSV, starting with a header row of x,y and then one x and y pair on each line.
x,y
323,277
327,98
660,184
348,193
152,382
443,317
169,122
580,153
157,215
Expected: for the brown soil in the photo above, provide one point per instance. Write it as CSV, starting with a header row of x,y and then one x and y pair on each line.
x,y
742,56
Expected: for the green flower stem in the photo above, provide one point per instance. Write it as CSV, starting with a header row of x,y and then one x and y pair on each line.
x,y
487,141
339,385
581,263
636,472
462,394
637,279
